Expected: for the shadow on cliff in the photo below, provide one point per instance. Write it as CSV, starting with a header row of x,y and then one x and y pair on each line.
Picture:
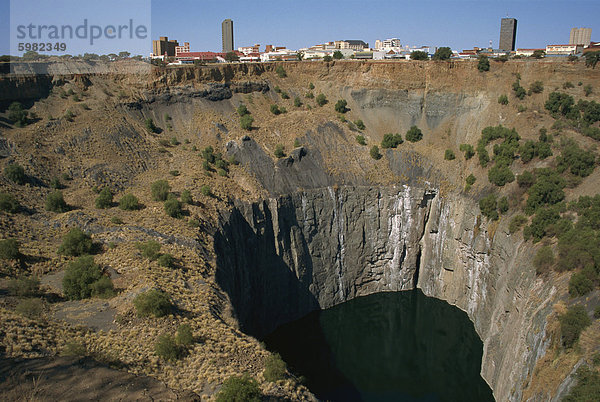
x,y
265,288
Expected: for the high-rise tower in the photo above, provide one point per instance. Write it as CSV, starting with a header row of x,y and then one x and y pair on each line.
x,y
580,36
508,34
227,35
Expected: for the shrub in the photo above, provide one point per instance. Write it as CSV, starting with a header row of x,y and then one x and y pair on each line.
x,y
175,141
516,223
449,155
309,95
488,205
359,124
129,202
374,152
580,284
239,389
242,110
503,205
174,172
391,140
547,189
24,286
55,202
311,86
15,173
483,64
279,151
297,101
577,160
414,134
150,126
17,114
104,199
74,349
543,260
519,90
76,243
275,368
79,277
275,109
246,122
419,55
184,336
340,106
536,87
281,71
166,260
500,175
572,323
9,249
503,100
205,190
30,308
149,249
160,190
587,90
8,203
468,150
525,179
284,95
167,348
321,100
153,302
327,58
587,387
442,53
103,288
55,183
186,197
568,84
361,140
470,179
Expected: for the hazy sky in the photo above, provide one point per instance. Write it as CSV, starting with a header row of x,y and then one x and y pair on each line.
x,y
458,24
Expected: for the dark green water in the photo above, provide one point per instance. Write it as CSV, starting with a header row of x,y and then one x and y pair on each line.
x,y
401,346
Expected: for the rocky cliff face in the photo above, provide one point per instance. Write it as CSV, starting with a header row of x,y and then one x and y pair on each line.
x,y
283,257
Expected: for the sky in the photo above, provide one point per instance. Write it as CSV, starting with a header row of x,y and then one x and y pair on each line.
x,y
296,24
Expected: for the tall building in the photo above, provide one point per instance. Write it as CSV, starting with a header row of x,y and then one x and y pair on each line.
x,y
508,34
227,35
164,46
580,36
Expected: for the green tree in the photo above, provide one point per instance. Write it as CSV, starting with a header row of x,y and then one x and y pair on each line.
x,y
572,323
442,53
361,140
483,63
173,208
17,114
76,242
160,190
246,122
414,134
536,87
327,58
129,202
470,180
449,155
231,57
526,179
55,202
538,54
153,302
239,389
543,260
580,284
321,100
15,173
500,175
391,140
79,277
359,124
374,152
488,206
592,58
340,106
337,55
468,150
8,203
419,55
104,199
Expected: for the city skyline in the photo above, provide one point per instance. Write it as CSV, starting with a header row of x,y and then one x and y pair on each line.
x,y
457,24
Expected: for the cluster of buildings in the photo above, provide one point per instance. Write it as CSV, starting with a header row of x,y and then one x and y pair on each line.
x,y
170,50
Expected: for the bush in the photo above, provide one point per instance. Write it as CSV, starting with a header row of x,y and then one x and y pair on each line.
x,y
391,140
8,203
24,286
311,86
468,150
419,55
275,368
483,64
166,260
174,141
374,152
205,190
578,161
173,208
186,197
275,109
246,122
104,199
500,175
76,243
74,349
79,277
129,202
55,202
503,100
17,114
536,87
153,302
30,308
519,90
15,173
503,205
526,179
103,288
321,100
149,249
516,223
242,110
297,101
150,126
184,336
488,206
414,134
160,190
167,348
449,155
359,124
340,106
587,387
361,140
174,172
309,95
442,53
580,284
55,183
279,151
470,179
572,323
240,389
281,71
543,260
9,249
587,90
547,190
